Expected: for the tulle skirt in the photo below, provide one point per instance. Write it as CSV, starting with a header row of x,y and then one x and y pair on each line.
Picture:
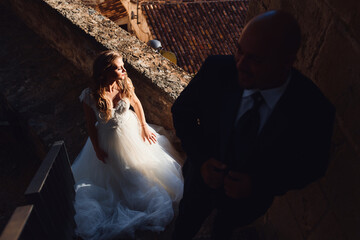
x,y
138,188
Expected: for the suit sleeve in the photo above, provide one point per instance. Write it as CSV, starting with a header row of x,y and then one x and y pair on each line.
x,y
186,112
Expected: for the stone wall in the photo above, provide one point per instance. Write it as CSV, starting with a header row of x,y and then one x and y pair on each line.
x,y
330,55
79,33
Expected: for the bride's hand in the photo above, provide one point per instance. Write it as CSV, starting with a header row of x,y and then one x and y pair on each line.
x,y
146,134
101,154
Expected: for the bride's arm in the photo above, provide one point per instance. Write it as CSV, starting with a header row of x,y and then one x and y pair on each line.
x,y
92,131
146,134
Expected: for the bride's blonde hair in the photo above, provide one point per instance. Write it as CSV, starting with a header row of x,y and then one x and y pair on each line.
x,y
103,65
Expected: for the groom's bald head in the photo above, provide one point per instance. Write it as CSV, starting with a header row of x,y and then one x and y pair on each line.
x,y
267,50
277,30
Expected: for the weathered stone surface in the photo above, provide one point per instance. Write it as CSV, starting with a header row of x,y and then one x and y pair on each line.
x,y
348,12
308,207
79,33
279,222
328,229
341,188
337,73
41,85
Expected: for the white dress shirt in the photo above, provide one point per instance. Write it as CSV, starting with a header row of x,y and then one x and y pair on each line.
x,y
271,97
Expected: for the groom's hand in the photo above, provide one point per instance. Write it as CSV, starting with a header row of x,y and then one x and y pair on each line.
x,y
213,173
237,185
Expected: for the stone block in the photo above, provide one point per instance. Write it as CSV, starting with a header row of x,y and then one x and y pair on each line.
x,y
313,21
308,206
327,229
341,186
348,12
337,74
280,222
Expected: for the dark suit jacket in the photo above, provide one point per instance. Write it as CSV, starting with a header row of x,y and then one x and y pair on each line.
x,y
293,147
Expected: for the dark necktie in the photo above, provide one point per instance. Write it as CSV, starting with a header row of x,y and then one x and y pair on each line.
x,y
244,134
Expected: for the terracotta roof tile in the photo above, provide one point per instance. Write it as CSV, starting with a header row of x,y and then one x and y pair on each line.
x,y
113,9
195,29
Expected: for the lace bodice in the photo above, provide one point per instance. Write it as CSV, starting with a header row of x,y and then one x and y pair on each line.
x,y
119,112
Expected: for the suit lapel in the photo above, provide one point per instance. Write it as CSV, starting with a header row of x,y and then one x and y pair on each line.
x,y
277,123
279,120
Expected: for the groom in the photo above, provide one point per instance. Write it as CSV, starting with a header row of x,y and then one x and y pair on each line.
x,y
252,127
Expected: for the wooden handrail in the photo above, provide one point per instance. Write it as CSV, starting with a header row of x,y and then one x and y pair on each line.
x,y
51,195
17,222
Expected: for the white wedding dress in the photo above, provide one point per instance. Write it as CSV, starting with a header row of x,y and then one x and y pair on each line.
x,y
137,189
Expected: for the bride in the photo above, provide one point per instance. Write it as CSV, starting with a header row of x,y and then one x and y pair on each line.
x,y
126,177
